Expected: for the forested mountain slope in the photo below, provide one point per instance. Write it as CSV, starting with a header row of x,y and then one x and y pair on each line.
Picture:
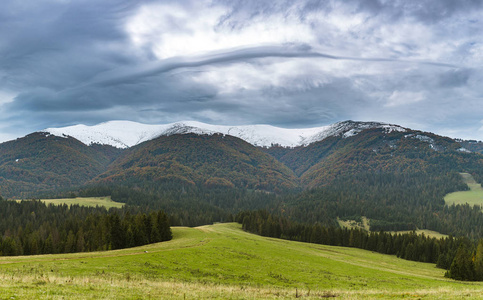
x,y
208,160
396,153
373,150
39,162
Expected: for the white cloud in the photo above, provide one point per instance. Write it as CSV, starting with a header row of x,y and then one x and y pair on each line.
x,y
172,30
6,97
399,98
298,74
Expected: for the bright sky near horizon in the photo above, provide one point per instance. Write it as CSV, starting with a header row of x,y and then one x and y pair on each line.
x,y
291,64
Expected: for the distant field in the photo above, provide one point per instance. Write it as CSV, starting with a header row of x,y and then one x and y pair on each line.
x,y
223,262
426,232
85,201
352,224
473,197
365,225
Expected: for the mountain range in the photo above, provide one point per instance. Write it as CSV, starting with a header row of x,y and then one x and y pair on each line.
x,y
256,157
125,134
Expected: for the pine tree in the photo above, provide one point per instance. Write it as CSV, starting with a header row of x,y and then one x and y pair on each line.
x,y
80,244
70,243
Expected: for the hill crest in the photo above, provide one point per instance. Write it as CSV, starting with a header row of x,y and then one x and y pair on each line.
x,y
125,134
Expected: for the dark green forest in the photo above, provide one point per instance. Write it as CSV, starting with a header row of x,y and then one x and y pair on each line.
x,y
31,227
392,202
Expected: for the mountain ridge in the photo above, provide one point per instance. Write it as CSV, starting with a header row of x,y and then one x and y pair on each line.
x,y
125,134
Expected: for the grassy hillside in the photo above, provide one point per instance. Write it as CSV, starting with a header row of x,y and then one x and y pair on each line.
x,y
473,197
221,261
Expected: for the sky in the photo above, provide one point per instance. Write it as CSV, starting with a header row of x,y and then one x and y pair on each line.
x,y
291,64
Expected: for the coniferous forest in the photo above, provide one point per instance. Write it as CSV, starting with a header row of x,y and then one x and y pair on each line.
x,y
31,227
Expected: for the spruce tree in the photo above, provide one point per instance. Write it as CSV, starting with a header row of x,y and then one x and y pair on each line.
x,y
462,265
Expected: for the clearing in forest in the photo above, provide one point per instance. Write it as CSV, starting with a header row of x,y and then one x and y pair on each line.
x,y
107,202
473,197
426,232
364,224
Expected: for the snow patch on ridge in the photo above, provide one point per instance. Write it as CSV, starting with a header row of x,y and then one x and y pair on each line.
x,y
125,134
348,129
120,134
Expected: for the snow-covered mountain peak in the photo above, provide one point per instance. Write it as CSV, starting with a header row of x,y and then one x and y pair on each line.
x,y
351,128
125,134
120,134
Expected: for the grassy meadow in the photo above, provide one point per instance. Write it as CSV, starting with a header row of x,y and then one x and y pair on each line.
x,y
365,225
473,197
351,224
426,232
85,201
223,262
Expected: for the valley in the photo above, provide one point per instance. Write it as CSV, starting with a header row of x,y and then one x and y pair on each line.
x,y
331,180
222,261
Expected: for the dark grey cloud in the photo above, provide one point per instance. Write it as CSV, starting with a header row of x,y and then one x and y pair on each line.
x,y
51,44
287,63
120,76
455,78
428,11
109,85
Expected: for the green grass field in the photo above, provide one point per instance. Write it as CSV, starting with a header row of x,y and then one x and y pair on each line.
x,y
85,201
223,262
473,197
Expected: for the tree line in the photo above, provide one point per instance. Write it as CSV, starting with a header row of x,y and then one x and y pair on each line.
x,y
31,227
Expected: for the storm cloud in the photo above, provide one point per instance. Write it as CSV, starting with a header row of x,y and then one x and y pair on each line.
x,y
285,63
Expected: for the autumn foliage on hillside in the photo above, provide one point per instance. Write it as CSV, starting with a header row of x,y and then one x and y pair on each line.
x,y
210,160
40,162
